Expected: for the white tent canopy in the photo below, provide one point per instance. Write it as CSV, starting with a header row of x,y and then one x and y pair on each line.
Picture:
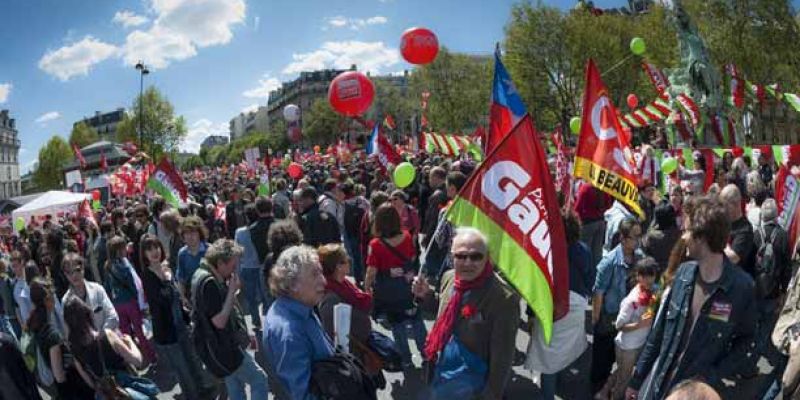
x,y
53,202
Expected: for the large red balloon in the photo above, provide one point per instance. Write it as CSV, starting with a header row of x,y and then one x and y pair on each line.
x,y
295,170
633,101
419,45
351,93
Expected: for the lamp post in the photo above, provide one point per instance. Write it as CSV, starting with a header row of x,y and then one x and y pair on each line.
x,y
142,72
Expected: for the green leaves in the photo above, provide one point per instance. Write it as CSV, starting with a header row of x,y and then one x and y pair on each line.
x,y
83,135
52,158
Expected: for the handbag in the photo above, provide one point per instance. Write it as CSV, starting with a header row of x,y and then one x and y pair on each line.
x,y
386,349
459,374
106,386
393,293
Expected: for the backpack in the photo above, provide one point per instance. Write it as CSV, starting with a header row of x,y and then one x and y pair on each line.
x,y
341,376
766,270
221,355
352,218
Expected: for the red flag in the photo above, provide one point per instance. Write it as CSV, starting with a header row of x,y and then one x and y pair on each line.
x,y
103,161
85,211
388,122
79,156
510,200
787,195
603,156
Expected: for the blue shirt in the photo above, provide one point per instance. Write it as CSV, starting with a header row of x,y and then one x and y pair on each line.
x,y
611,279
188,263
293,340
250,256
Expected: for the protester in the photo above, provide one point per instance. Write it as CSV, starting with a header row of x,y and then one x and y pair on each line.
x,y
293,335
590,204
389,275
338,290
610,288
319,227
253,240
171,328
47,329
478,317
189,256
718,297
16,381
740,249
221,333
662,235
104,315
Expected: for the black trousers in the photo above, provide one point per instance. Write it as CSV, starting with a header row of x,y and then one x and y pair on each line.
x,y
603,358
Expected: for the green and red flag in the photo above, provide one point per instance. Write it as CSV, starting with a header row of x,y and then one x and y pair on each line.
x,y
388,122
167,182
509,199
603,156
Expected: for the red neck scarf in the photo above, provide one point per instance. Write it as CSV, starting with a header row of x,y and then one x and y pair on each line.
x,y
350,293
443,327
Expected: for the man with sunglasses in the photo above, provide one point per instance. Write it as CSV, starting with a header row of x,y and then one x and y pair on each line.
x,y
480,313
104,316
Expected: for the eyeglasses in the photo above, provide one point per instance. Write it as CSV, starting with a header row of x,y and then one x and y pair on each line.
x,y
471,256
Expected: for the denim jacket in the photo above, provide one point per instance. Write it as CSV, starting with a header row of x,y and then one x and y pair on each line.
x,y
612,278
721,344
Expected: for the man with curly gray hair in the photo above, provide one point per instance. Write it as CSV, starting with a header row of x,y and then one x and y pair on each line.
x,y
221,332
293,335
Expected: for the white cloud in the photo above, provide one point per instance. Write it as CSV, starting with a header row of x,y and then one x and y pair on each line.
x,y
48,116
340,21
251,108
200,130
265,85
129,19
256,22
5,91
368,56
180,28
76,58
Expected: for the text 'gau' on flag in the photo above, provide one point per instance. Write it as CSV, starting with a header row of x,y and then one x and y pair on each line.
x,y
511,199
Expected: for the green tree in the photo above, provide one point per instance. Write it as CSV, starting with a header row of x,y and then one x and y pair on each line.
x,y
83,135
395,100
162,130
321,124
459,87
52,158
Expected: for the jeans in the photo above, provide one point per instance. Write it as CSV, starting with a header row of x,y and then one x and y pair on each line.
x,y
194,381
548,383
775,388
400,334
254,292
356,259
130,323
247,374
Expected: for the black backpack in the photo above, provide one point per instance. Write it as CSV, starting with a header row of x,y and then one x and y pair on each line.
x,y
352,218
220,353
342,376
766,270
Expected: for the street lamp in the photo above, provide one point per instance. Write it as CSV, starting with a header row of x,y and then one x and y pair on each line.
x,y
142,72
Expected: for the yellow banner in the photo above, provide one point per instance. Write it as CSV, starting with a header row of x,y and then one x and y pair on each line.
x,y
609,182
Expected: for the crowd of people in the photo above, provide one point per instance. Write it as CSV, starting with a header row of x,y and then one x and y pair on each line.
x,y
697,290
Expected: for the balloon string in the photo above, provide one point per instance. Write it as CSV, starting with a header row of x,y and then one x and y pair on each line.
x,y
617,65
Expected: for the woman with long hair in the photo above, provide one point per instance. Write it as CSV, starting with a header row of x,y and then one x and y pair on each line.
x,y
123,289
104,353
390,272
170,321
48,336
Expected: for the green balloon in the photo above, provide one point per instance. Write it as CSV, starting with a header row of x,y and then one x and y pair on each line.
x,y
638,47
669,165
575,125
404,174
19,224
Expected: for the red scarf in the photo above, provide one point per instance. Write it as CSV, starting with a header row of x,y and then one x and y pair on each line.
x,y
350,293
443,327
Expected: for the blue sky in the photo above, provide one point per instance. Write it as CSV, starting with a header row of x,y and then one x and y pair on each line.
x,y
62,60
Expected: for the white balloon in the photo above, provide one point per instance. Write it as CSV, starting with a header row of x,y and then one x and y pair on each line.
x,y
291,112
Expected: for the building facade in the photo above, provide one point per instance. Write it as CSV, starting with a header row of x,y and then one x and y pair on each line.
x,y
214,140
303,91
10,185
104,123
249,122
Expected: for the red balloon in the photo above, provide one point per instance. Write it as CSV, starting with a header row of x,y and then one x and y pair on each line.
x,y
419,45
351,93
96,195
633,101
295,170
294,133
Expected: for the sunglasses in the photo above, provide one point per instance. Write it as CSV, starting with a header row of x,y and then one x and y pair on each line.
x,y
470,256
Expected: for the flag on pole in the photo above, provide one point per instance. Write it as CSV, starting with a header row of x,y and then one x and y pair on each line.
x,y
787,195
507,108
103,161
603,157
735,85
167,182
509,199
380,148
79,156
388,122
